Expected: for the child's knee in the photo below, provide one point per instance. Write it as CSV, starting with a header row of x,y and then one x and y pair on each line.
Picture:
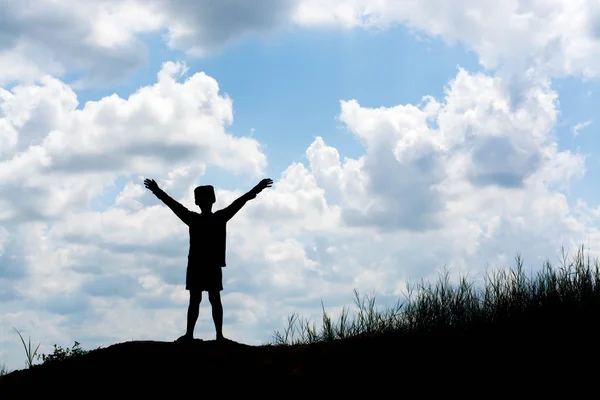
x,y
195,298
214,297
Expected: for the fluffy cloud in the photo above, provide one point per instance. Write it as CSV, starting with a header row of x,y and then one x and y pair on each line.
x,y
451,182
557,37
100,39
58,157
97,37
204,26
418,159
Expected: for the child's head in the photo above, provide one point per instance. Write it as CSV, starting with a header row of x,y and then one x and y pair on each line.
x,y
204,195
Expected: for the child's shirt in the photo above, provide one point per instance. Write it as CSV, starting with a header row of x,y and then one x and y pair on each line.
x,y
208,232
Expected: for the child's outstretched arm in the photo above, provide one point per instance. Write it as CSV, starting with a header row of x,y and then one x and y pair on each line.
x,y
183,213
236,206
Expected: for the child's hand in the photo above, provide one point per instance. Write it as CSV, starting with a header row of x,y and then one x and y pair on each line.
x,y
265,183
151,184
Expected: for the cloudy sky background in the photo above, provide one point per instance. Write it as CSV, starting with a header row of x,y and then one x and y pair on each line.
x,y
402,137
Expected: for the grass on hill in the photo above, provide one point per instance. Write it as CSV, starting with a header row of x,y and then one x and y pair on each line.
x,y
508,297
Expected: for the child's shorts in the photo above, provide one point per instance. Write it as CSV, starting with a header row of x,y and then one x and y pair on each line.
x,y
201,277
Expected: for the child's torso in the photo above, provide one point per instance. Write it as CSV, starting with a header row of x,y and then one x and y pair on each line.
x,y
207,238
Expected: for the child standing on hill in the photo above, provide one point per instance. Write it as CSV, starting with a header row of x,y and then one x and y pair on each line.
x,y
207,248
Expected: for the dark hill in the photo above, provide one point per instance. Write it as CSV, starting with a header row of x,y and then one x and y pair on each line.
x,y
367,365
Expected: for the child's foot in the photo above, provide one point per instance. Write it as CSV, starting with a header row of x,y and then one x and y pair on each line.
x,y
185,338
221,338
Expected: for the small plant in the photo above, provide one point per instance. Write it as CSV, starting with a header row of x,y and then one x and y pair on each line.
x,y
30,355
61,354
4,370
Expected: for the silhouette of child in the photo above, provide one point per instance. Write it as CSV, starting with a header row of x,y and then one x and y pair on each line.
x,y
206,256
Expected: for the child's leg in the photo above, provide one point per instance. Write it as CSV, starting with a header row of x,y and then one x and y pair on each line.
x,y
193,311
214,296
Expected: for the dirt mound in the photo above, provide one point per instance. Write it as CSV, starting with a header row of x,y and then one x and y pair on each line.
x,y
370,365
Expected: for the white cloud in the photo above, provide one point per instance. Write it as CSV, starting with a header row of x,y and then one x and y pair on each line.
x,y
101,38
204,26
48,37
418,159
557,37
579,127
60,158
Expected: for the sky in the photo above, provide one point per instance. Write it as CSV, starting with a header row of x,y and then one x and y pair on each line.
x,y
404,139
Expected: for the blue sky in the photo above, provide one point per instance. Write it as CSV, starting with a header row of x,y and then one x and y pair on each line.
x,y
389,190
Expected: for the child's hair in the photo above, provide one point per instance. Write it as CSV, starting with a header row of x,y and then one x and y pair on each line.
x,y
205,192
